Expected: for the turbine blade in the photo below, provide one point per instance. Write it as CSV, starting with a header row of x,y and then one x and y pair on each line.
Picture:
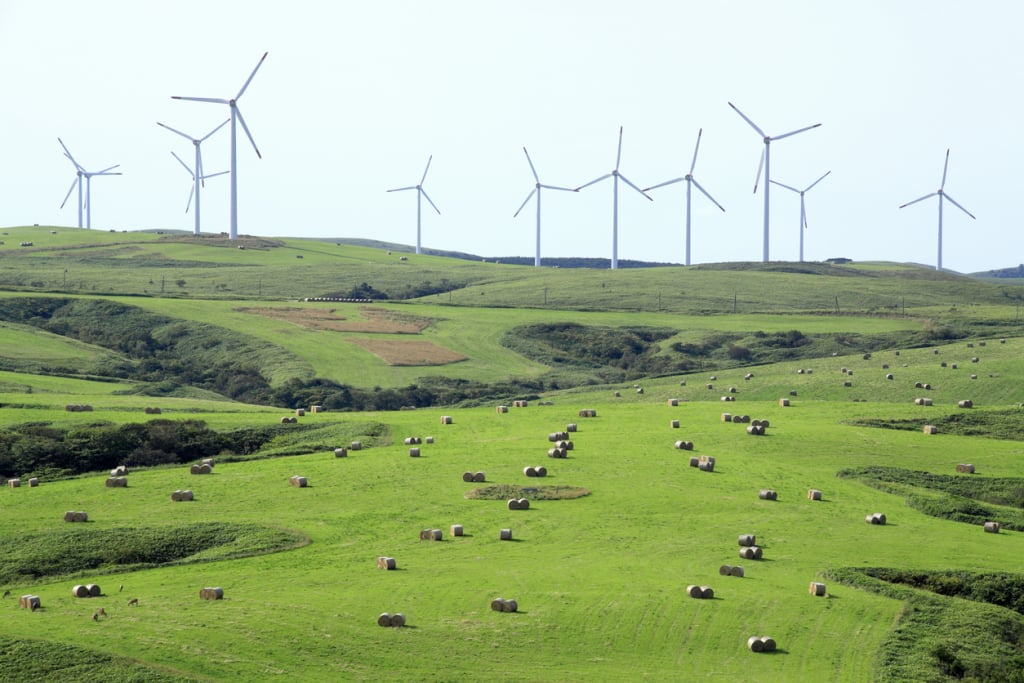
x,y
794,132
214,175
618,156
667,182
919,199
534,170
557,187
776,182
705,192
752,124
946,195
424,178
596,180
427,197
945,167
184,165
68,155
241,120
399,189
191,191
803,214
105,171
523,205
249,80
225,122
626,180
695,148
817,181
70,190
215,100
760,167
174,130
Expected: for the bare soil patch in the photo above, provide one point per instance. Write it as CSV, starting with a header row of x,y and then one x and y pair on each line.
x,y
405,352
379,320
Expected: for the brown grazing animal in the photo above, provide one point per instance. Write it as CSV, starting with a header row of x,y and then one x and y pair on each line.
x,y
134,601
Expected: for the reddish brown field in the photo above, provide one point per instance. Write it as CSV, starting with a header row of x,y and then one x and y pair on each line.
x,y
372,320
404,352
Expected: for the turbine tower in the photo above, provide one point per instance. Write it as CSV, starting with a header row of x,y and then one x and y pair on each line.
x,y
420,192
766,164
536,190
236,115
943,195
79,174
803,211
690,181
615,199
197,180
198,176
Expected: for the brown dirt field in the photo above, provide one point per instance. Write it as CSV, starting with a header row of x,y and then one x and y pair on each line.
x,y
403,352
374,319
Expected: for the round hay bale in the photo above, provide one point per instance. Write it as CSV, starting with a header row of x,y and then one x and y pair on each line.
x,y
426,535
616,394
694,461
755,644
33,482
707,466
557,453
498,604
510,605
800,371
530,471
878,518
176,496
975,359
435,535
813,494
991,527
80,591
726,417
542,471
14,483
747,540
356,446
847,383
747,554
673,401
706,593
767,644
467,477
414,452
889,375
341,452
755,430
758,552
212,593
409,440
446,419
571,427
524,503
384,619
737,571
930,429
966,403
479,477
955,366
565,445
684,445
397,620
748,376
733,390
709,386
386,563
767,494
816,588
501,409
30,602
456,530
965,468
694,591
725,569
505,535
674,424
784,402
298,481
737,419
94,590
513,503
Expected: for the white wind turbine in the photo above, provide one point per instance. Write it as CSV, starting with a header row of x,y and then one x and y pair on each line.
x,y
803,210
198,177
79,174
420,192
942,195
235,115
536,190
690,181
615,199
765,164
197,180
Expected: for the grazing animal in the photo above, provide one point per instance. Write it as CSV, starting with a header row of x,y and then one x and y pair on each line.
x,y
134,601
95,616
121,588
7,593
99,613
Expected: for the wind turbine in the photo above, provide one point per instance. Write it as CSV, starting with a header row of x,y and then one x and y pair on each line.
x,y
235,115
536,190
615,199
197,180
197,175
690,181
420,192
765,164
942,195
803,211
82,173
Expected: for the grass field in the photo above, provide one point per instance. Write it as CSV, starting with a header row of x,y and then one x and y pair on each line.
x,y
601,579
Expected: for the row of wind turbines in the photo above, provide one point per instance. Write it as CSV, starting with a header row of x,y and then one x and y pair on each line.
x,y
199,177
764,165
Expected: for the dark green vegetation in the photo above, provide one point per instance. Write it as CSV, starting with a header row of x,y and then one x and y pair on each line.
x,y
506,491
49,662
994,424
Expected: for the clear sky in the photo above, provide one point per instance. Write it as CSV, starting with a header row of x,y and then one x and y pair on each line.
x,y
354,96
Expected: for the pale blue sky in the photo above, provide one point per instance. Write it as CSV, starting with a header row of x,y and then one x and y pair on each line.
x,y
354,97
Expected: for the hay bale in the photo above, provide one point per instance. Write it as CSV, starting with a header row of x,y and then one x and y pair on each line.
x,y
783,402
673,401
211,594
446,419
709,386
524,504
80,591
767,644
298,481
316,409
732,390
501,409
768,494
930,429
467,477
707,593
992,527
384,619
965,468
14,483
694,461
918,385
706,466
341,452
510,605
747,540
94,590
748,376
513,503
639,390
747,554
616,394
813,494
397,620
456,530
736,571
816,588
885,366
33,482
974,377
694,591
684,445
384,562
955,366
200,469
792,392
876,518
428,439
682,382
530,471
674,424
725,570
498,604
571,427
557,453
755,644
286,420
479,477
182,495
966,403
847,383
755,430
555,437
800,371
117,482
726,417
542,471
565,445
505,535
889,375
975,359
414,452
356,446
119,471
30,602
728,399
